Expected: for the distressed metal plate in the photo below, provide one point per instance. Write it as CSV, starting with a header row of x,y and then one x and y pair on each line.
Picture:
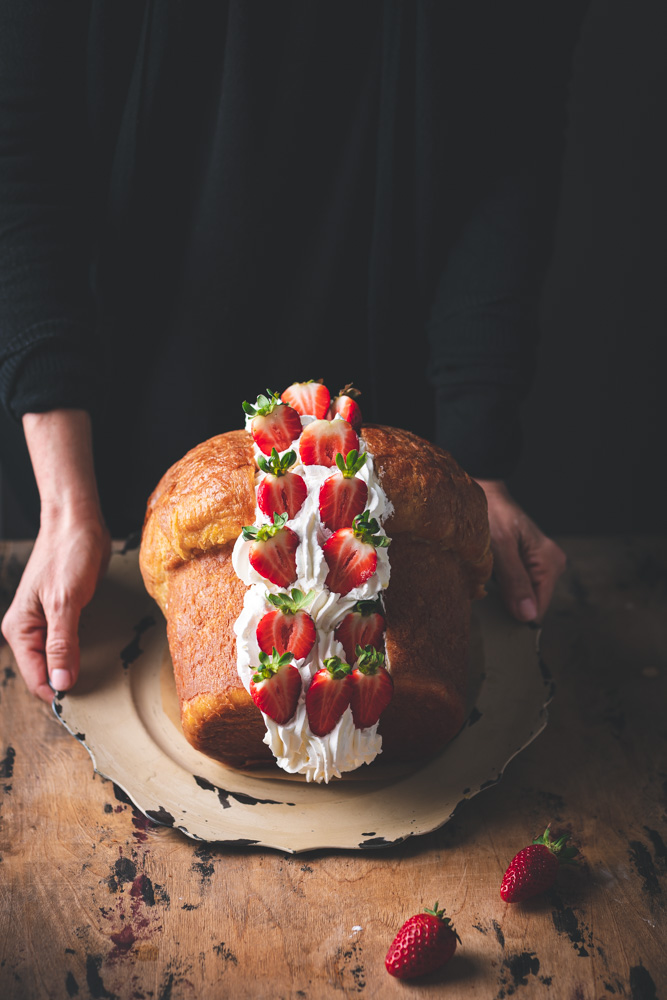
x,y
124,711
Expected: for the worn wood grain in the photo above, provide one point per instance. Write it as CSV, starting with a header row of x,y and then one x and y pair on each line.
x,y
95,901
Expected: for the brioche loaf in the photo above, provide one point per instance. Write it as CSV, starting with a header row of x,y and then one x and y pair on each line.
x,y
440,559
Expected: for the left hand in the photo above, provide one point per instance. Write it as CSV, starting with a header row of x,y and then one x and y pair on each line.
x,y
527,564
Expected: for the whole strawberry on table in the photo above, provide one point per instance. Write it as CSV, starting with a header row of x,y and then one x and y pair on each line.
x,y
534,869
424,943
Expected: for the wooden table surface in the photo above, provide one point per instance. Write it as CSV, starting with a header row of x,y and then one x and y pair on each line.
x,y
95,901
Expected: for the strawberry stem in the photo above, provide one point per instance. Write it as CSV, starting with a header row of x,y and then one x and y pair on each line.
x,y
263,406
274,465
290,605
337,668
440,914
367,608
366,529
270,665
565,855
350,465
369,660
262,532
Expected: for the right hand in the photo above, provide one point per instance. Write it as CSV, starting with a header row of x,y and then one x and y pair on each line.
x,y
70,555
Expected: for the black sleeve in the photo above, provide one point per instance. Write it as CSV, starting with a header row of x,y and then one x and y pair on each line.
x,y
483,326
48,353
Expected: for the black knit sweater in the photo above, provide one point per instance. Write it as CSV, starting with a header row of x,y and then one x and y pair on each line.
x,y
201,199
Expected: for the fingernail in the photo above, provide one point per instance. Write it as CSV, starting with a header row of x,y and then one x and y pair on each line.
x,y
60,680
527,609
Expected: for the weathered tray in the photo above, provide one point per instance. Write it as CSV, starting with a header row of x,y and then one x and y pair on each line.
x,y
124,711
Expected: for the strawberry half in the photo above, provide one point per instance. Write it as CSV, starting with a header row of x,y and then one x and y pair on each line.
x,y
328,695
533,870
362,626
276,686
288,628
343,495
308,398
424,943
273,552
274,424
321,441
372,687
350,554
280,491
344,405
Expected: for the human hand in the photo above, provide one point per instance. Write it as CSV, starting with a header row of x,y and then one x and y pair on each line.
x,y
527,564
70,555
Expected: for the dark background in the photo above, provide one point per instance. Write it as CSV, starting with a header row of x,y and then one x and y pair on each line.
x,y
595,425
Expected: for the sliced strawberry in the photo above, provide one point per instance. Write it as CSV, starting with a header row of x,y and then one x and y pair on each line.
x,y
273,552
372,687
274,424
344,405
362,626
288,627
328,695
308,398
280,491
350,554
276,686
321,441
343,495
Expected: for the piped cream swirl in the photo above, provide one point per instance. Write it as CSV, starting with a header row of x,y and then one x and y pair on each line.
x,y
296,749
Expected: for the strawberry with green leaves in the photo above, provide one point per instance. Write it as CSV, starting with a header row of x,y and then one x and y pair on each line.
x,y
328,695
288,627
343,495
372,687
308,398
534,869
274,424
321,441
350,554
276,686
345,405
364,625
424,943
273,550
280,491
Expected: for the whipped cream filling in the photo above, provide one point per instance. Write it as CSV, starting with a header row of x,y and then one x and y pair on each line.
x,y
296,749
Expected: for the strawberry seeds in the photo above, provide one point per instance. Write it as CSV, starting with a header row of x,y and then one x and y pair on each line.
x,y
314,546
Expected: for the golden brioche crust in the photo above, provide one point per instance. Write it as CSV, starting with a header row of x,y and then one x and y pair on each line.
x,y
440,558
433,498
199,505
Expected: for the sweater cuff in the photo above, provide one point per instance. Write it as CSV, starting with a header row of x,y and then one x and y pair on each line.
x,y
52,371
481,431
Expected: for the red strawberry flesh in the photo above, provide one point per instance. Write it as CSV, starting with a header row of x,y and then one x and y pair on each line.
x,y
322,440
308,398
348,409
276,429
351,562
341,500
281,494
275,557
372,688
275,689
363,626
328,696
286,633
